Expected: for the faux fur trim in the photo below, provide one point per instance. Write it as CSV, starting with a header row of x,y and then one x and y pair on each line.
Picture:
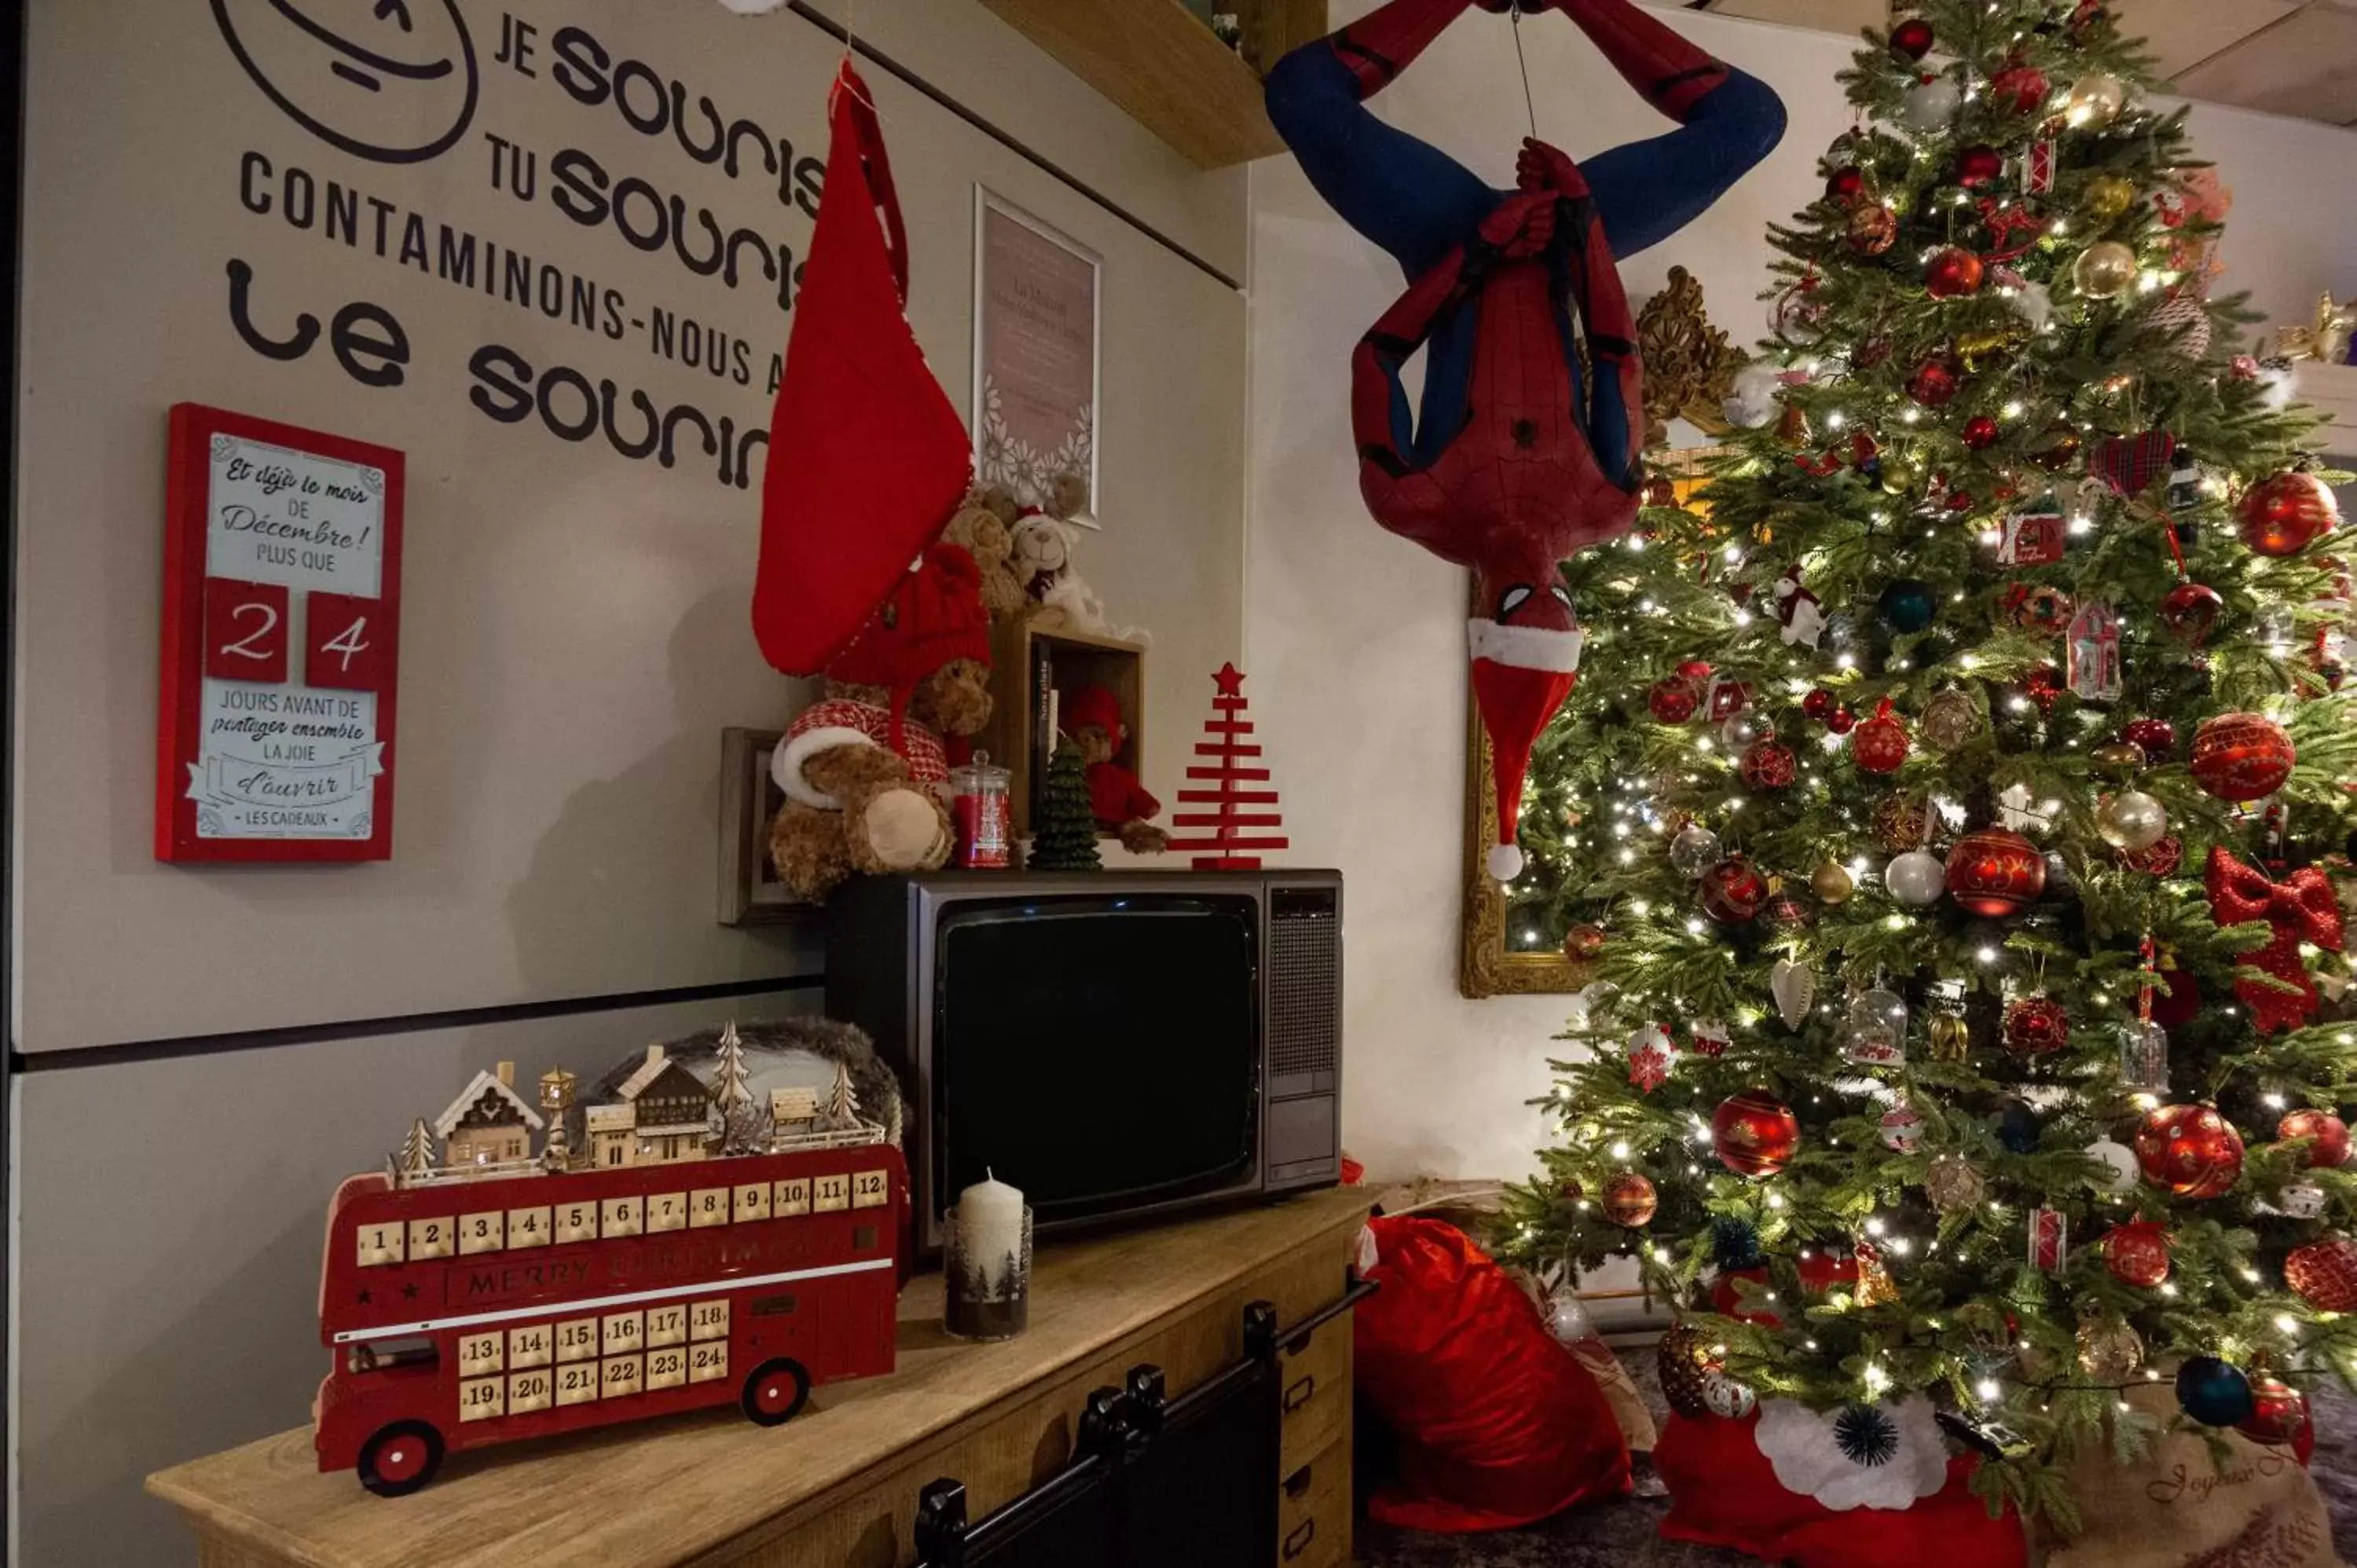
x,y
1526,647
786,762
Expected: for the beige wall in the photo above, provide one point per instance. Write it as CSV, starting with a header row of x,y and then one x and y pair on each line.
x,y
575,639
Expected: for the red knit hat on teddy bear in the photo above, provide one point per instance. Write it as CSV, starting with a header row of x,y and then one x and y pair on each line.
x,y
1092,705
933,616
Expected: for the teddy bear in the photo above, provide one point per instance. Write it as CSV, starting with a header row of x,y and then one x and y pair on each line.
x,y
984,525
864,770
1091,716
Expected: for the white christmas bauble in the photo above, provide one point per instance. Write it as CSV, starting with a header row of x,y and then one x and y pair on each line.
x,y
1916,879
1695,851
1568,1317
2119,1163
1929,106
2300,1199
1650,1035
1901,1129
1726,1396
2132,820
1504,861
1751,396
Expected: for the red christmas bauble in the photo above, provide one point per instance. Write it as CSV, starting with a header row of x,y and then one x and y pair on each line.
x,y
1583,942
2021,87
1951,273
2137,1253
2190,611
2283,515
1733,891
1674,699
1630,1200
1846,183
1960,500
1770,765
1980,432
1911,37
1933,384
2036,1026
2331,1136
1979,164
2324,1273
1997,873
2154,737
2189,1150
1880,744
2159,858
1818,704
1754,1132
2242,757
2278,1411
1841,720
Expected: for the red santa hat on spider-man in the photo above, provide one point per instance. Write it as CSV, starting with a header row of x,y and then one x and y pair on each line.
x,y
1525,660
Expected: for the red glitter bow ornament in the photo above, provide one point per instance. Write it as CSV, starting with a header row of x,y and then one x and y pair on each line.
x,y
2301,908
2013,230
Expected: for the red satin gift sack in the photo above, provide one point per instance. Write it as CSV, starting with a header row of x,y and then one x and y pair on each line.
x,y
1497,1424
1724,1492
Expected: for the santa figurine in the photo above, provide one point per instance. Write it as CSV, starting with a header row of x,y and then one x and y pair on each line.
x,y
1091,716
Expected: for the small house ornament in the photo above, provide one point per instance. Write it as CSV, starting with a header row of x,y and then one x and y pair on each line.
x,y
2094,653
2033,538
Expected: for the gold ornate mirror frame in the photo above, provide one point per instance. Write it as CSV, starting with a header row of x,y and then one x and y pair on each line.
x,y
1689,367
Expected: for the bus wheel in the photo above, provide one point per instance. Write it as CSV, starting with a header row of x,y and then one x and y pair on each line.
x,y
776,1392
401,1458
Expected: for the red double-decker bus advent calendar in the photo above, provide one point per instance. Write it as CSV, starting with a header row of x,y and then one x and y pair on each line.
x,y
480,1303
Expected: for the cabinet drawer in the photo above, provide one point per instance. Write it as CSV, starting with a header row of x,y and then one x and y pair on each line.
x,y
1313,1380
1313,1510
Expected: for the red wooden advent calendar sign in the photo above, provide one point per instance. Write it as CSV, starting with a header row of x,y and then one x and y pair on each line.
x,y
282,618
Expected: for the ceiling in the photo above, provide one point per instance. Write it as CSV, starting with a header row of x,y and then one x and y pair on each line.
x,y
2287,57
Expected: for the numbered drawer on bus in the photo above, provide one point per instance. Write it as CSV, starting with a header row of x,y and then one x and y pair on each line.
x,y
482,1232
792,1196
625,1331
830,1193
667,1325
528,1226
530,1346
576,1339
432,1237
870,1189
707,1362
667,1369
578,1383
480,1353
707,1205
481,1399
384,1243
621,1375
529,1392
667,1211
707,1320
752,1201
577,1221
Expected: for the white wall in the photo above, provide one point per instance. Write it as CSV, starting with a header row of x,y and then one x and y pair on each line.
x,y
1357,639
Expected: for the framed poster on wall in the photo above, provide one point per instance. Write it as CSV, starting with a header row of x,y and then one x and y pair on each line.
x,y
281,622
1036,374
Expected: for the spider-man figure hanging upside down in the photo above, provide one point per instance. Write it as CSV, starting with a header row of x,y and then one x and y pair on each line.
x,y
1516,459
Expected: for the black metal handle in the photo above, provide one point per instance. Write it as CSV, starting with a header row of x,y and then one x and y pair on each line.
x,y
1355,1290
941,1524
1298,1541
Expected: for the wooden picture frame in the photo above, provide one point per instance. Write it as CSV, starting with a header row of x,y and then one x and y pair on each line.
x,y
750,893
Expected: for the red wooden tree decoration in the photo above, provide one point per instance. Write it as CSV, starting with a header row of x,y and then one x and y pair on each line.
x,y
1233,826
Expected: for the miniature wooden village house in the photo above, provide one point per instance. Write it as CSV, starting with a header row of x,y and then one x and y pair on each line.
x,y
651,1111
488,1123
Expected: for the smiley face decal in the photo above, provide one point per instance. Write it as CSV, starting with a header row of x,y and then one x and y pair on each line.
x,y
393,80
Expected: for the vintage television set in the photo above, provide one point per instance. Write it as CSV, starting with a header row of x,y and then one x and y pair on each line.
x,y
1116,1044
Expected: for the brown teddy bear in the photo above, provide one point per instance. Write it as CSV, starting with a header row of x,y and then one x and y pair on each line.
x,y
1091,716
865,771
984,525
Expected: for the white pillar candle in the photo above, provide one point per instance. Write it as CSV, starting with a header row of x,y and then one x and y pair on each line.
x,y
990,1226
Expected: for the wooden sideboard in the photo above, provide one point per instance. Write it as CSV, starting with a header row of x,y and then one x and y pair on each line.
x,y
838,1486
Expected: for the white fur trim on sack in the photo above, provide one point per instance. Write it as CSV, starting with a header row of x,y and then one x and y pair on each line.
x,y
1525,647
1898,1459
786,762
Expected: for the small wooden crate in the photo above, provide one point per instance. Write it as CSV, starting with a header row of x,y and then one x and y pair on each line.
x,y
1027,662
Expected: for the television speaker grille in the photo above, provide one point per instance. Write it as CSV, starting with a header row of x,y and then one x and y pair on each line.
x,y
1304,1004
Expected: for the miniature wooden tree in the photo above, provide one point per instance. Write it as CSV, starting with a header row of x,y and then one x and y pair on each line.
x,y
841,1101
416,1156
1064,826
730,1090
1234,827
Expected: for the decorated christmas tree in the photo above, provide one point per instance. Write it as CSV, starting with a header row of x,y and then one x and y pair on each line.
x,y
1950,816
1064,827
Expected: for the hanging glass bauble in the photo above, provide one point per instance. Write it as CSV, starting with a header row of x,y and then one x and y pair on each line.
x,y
2131,820
1874,1032
2104,270
1754,1132
2144,1057
1994,872
1630,1200
1695,851
2035,1027
1567,1316
2278,1411
2095,101
2241,757
2190,611
1742,730
1733,891
2285,514
1916,879
2109,1351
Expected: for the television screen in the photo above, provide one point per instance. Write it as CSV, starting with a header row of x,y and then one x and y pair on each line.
x,y
1095,1053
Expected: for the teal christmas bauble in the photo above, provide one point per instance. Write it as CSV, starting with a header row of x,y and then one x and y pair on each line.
x,y
1906,605
2215,1392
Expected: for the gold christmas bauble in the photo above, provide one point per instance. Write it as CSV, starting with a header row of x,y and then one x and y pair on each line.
x,y
2119,759
2103,269
1952,1184
2095,101
1831,883
2107,196
2109,1351
1949,1036
1901,473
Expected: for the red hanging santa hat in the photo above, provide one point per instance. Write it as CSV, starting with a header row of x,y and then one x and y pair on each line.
x,y
1524,667
867,459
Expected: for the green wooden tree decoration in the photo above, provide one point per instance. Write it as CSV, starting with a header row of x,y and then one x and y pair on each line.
x,y
1064,830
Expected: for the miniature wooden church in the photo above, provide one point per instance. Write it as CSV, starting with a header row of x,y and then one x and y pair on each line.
x,y
489,1123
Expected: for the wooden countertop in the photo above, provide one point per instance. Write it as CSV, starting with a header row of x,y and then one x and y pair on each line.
x,y
664,1490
